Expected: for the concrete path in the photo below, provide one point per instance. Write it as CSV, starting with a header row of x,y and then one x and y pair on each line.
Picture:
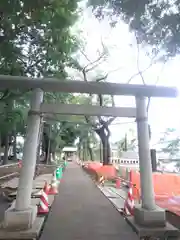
x,y
82,212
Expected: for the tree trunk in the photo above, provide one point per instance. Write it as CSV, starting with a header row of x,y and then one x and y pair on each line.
x,y
39,142
45,145
84,152
48,153
90,150
14,145
79,151
0,149
91,153
106,149
100,151
6,150
53,155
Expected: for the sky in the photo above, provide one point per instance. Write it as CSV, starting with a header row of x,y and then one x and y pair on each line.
x,y
122,47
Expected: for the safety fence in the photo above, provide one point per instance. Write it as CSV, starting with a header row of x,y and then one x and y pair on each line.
x,y
166,189
166,185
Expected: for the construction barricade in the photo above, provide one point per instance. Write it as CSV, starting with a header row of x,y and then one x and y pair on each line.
x,y
99,172
171,204
166,189
91,168
109,172
166,185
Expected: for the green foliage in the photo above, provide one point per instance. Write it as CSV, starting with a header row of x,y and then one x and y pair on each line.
x,y
35,36
126,144
155,22
166,134
35,40
171,145
87,143
69,133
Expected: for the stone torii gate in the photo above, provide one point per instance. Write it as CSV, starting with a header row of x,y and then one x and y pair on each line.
x,y
23,215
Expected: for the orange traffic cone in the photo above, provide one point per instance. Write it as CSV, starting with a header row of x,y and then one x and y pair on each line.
x,y
129,203
53,187
43,207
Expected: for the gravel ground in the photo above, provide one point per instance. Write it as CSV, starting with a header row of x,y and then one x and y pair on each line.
x,y
4,204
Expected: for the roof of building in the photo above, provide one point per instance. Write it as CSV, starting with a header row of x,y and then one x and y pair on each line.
x,y
69,149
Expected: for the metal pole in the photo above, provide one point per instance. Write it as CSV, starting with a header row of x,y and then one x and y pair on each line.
x,y
23,200
147,191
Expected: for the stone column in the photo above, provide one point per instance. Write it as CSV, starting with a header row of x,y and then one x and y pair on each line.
x,y
148,213
24,214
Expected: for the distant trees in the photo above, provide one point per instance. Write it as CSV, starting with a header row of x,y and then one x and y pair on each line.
x,y
170,144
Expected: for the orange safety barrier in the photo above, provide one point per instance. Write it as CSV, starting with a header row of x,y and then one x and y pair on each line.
x,y
94,165
91,167
86,164
109,172
166,188
164,184
161,197
167,183
172,204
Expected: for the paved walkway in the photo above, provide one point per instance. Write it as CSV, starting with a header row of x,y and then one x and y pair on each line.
x,y
82,212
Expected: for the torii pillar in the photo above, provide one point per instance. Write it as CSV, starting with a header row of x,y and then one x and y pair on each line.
x,y
149,214
24,214
149,219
